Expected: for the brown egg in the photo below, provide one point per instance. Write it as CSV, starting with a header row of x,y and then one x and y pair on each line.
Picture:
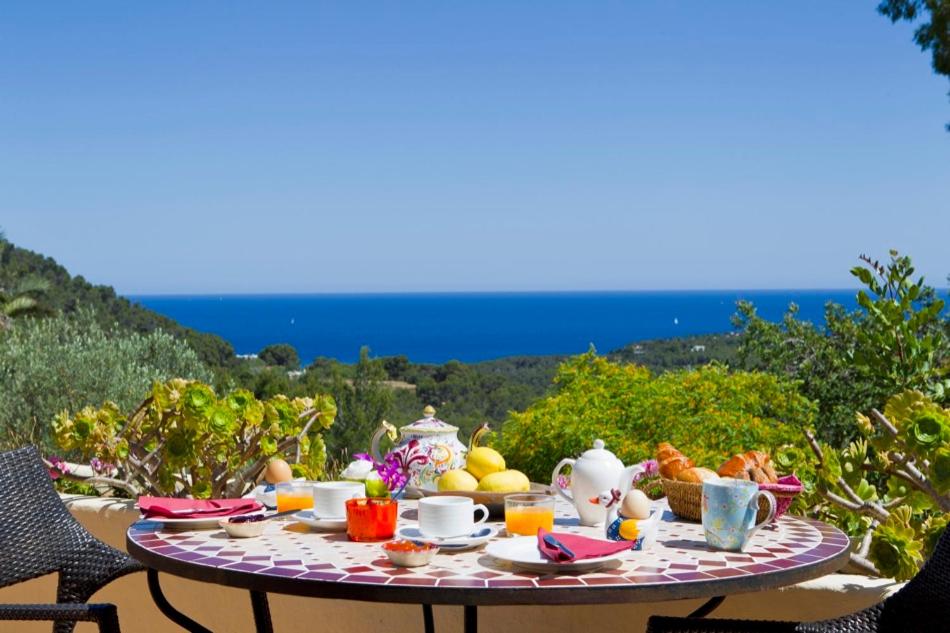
x,y
277,471
636,505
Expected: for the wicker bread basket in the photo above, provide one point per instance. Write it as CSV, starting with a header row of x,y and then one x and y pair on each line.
x,y
686,498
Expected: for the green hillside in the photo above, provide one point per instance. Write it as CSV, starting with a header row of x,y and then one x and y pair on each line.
x,y
68,293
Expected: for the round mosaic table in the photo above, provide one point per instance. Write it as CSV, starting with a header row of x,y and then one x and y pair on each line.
x,y
290,558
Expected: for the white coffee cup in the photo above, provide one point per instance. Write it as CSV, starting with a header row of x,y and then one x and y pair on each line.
x,y
329,497
449,516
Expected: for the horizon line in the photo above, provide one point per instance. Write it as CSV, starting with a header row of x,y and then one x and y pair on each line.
x,y
365,293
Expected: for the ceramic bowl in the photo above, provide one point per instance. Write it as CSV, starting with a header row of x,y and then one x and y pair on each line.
x,y
245,529
409,554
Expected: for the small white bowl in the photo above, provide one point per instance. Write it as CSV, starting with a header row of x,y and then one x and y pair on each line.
x,y
244,529
421,554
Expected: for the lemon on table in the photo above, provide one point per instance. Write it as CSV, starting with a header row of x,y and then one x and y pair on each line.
x,y
505,481
482,460
457,480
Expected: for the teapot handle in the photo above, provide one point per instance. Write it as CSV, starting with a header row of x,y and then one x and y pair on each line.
x,y
567,461
384,428
627,477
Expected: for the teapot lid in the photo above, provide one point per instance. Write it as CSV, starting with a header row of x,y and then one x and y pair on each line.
x,y
429,424
598,453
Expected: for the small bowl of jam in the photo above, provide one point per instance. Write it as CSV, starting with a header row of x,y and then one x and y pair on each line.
x,y
404,553
244,526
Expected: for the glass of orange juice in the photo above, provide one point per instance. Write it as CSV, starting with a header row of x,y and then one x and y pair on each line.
x,y
294,495
524,514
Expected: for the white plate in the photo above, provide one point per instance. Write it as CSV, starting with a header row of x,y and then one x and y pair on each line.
x,y
522,552
335,524
199,523
482,534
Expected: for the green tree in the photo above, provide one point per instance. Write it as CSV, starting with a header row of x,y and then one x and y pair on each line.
x,y
280,354
363,401
23,298
896,340
933,27
49,365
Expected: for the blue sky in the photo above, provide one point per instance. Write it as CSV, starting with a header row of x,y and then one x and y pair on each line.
x,y
317,147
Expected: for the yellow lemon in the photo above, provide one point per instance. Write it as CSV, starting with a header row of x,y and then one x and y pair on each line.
x,y
505,481
457,480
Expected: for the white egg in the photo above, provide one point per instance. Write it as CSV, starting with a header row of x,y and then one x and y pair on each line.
x,y
636,505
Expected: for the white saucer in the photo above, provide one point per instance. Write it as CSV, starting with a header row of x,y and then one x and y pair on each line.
x,y
522,552
199,523
482,534
330,524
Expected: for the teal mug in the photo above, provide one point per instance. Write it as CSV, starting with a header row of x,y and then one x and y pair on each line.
x,y
729,509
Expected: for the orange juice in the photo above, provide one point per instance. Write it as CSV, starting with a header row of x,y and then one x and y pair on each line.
x,y
525,520
294,502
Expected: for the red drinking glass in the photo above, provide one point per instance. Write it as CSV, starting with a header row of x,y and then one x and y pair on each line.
x,y
369,519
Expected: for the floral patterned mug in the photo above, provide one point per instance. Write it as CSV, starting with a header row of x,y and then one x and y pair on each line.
x,y
729,509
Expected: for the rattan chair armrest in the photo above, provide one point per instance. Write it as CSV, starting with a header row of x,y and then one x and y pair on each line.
x,y
663,624
105,614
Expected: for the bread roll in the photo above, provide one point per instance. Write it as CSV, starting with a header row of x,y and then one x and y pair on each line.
x,y
696,475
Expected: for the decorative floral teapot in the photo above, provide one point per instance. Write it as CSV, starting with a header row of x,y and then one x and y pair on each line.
x,y
596,470
437,440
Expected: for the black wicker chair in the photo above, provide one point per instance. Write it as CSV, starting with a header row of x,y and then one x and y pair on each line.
x,y
923,605
39,536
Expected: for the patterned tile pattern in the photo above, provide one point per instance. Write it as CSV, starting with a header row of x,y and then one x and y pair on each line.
x,y
678,555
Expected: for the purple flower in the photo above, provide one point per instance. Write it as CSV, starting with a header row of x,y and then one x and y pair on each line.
x,y
394,469
366,457
650,469
100,467
563,482
59,467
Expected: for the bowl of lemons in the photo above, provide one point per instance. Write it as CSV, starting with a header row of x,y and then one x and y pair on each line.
x,y
485,479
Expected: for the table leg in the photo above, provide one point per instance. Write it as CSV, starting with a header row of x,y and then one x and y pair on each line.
x,y
707,607
471,619
262,621
428,623
166,608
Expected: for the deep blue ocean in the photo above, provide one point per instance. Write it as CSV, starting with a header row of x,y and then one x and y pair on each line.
x,y
469,327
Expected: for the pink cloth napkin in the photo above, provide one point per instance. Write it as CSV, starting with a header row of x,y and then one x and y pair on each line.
x,y
581,546
172,508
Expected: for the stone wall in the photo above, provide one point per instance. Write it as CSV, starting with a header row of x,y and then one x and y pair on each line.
x,y
228,610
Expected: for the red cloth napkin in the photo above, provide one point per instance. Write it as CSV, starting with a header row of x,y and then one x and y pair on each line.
x,y
582,547
172,508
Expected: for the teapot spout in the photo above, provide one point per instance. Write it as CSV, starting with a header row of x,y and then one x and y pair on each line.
x,y
385,428
627,476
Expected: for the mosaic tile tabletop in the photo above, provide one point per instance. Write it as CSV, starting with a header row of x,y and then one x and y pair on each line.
x,y
678,555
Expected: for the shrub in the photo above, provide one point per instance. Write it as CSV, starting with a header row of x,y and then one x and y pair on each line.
x,y
709,413
891,488
183,440
896,340
56,364
281,355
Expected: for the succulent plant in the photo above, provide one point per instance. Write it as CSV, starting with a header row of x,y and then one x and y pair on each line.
x,y
184,440
890,489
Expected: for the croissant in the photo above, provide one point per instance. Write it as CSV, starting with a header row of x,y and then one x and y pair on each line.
x,y
671,461
752,466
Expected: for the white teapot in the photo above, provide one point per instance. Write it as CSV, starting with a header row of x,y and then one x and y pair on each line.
x,y
596,470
